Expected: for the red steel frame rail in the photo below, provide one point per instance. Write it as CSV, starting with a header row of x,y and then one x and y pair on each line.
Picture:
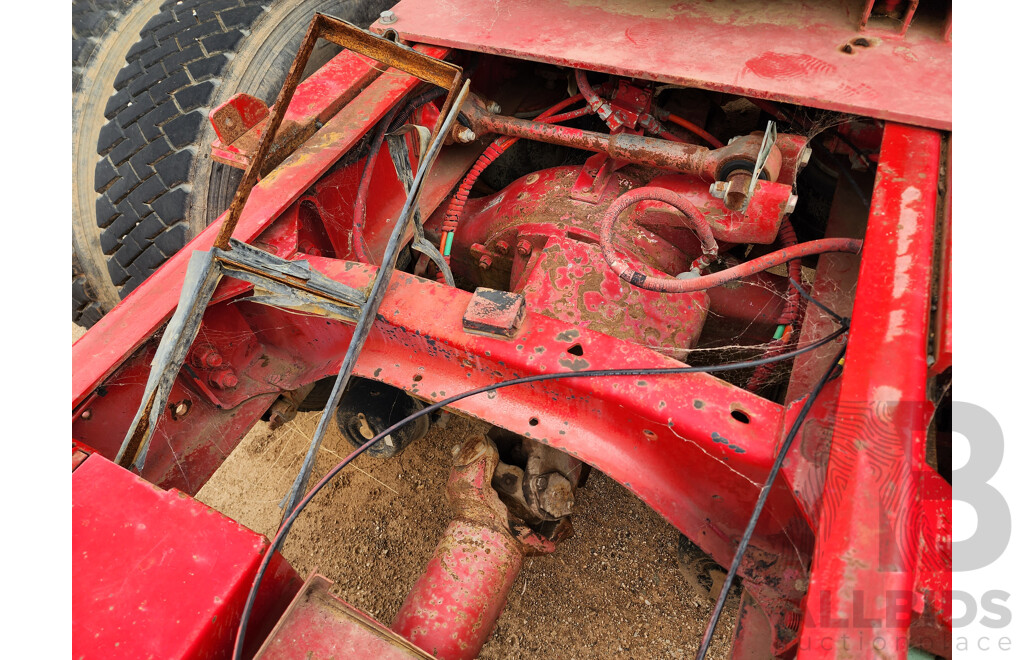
x,y
883,509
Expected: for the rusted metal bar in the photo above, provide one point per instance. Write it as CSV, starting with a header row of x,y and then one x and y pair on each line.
x,y
389,53
692,159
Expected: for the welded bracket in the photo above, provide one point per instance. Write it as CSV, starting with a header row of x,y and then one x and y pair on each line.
x,y
293,284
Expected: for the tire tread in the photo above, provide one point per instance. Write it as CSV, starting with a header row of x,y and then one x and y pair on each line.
x,y
153,120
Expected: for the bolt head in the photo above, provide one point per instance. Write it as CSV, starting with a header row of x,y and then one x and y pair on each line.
x,y
181,409
387,17
485,262
224,379
501,247
208,359
87,414
463,134
493,107
524,247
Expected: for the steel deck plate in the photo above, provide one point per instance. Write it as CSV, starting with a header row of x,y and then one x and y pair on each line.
x,y
785,50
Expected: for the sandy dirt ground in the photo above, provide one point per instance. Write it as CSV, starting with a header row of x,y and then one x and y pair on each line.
x,y
613,590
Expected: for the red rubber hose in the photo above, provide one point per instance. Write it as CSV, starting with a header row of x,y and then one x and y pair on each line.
x,y
694,218
696,130
673,285
454,212
790,313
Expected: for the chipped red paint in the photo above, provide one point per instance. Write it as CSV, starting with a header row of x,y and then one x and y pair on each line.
x,y
318,624
692,446
874,537
784,50
137,318
455,603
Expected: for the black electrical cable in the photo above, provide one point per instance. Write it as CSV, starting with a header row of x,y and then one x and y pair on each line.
x,y
415,102
806,296
286,525
709,631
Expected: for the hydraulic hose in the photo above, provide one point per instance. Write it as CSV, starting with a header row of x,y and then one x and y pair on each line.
x,y
694,218
695,129
614,120
674,285
598,105
790,313
453,214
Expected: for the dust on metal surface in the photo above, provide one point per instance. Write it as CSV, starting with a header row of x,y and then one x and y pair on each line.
x,y
183,571
881,422
788,50
456,602
318,624
493,312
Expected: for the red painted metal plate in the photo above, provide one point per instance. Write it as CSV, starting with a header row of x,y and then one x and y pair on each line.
x,y
158,574
320,625
137,317
786,50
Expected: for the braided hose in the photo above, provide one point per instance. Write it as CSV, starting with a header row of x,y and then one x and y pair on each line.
x,y
453,214
674,285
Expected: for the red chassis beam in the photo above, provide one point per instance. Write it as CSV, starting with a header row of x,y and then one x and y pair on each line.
x,y
883,556
673,440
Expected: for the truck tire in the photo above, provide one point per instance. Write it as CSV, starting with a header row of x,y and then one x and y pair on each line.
x,y
155,184
102,31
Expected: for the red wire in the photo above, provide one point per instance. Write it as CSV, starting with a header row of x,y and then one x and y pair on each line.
x,y
696,130
490,154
